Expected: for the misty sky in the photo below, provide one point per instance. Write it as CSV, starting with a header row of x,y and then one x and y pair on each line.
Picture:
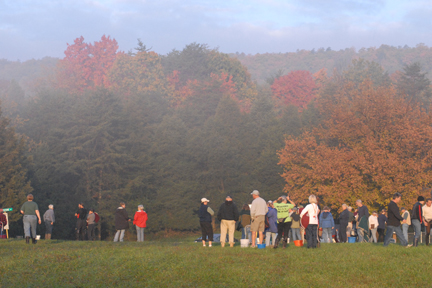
x,y
38,28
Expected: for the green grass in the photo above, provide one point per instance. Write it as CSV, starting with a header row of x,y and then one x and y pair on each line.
x,y
182,263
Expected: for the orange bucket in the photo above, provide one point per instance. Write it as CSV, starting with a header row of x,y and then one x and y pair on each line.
x,y
298,243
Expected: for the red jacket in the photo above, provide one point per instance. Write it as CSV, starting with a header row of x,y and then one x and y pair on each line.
x,y
140,219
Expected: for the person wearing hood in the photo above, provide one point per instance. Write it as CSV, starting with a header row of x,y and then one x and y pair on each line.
x,y
326,222
227,215
205,214
121,221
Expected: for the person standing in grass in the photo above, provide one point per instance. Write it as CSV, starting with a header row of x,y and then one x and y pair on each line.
x,y
417,219
283,209
373,226
343,223
295,224
245,220
362,217
91,225
311,230
121,221
405,226
427,214
30,210
382,220
49,220
272,220
351,221
140,222
394,222
205,214
81,224
227,215
326,222
258,211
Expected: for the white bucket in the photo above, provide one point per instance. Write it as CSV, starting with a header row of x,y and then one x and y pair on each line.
x,y
37,237
244,243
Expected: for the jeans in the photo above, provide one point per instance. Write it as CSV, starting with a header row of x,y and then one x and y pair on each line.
x,y
273,237
295,233
405,231
246,233
399,234
30,223
373,232
327,235
119,233
90,232
417,228
140,234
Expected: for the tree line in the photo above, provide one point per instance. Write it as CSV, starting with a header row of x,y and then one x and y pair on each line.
x,y
165,131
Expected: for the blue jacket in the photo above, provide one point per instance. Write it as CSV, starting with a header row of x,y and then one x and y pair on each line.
x,y
272,217
326,220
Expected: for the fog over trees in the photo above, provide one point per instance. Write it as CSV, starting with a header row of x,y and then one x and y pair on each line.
x,y
101,126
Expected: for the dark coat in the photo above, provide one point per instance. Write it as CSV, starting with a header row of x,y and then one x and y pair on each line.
x,y
228,211
121,219
344,217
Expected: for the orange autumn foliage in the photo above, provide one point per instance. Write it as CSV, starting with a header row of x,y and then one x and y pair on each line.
x,y
370,145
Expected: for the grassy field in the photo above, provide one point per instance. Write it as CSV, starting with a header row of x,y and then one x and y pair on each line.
x,y
182,263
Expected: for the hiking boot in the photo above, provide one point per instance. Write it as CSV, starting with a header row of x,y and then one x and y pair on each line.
x,y
34,240
415,242
231,245
27,240
285,244
222,244
276,244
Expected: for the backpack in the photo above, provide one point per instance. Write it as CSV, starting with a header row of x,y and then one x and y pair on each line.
x,y
97,218
266,222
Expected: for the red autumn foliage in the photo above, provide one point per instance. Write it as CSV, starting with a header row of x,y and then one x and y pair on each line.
x,y
85,65
296,88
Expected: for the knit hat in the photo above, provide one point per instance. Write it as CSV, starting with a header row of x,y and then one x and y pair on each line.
x,y
420,198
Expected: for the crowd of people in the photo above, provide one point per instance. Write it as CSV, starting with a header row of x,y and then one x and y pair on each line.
x,y
277,221
86,221
281,220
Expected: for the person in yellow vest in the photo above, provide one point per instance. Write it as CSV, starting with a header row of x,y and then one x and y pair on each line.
x,y
406,216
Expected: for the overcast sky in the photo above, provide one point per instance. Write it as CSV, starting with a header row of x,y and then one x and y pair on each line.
x,y
37,28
